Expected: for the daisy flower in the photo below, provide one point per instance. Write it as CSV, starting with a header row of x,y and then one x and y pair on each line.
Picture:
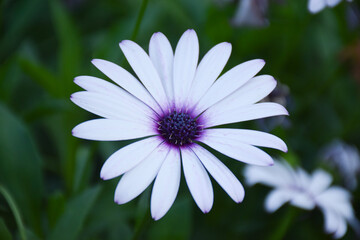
x,y
307,192
316,6
171,108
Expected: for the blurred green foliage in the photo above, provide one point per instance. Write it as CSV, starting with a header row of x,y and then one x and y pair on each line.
x,y
52,177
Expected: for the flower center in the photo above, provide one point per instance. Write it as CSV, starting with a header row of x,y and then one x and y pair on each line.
x,y
178,128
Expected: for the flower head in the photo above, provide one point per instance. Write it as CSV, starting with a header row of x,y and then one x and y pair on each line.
x,y
169,110
305,191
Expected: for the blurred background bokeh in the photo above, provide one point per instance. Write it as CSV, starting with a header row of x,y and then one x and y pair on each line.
x,y
49,180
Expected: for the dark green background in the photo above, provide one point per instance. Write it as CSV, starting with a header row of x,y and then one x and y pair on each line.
x,y
53,178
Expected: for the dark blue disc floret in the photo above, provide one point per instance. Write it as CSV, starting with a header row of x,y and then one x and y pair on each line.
x,y
179,128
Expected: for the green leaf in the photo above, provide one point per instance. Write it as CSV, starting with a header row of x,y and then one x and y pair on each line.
x,y
70,46
21,17
56,206
20,167
71,222
41,76
4,231
82,168
176,224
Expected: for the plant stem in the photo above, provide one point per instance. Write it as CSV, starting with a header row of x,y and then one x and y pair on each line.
x,y
15,211
284,225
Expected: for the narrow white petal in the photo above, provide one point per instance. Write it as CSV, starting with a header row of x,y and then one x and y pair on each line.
x,y
253,91
162,56
331,220
98,85
185,63
278,175
276,199
126,81
320,181
341,229
144,69
209,70
303,179
230,82
239,151
245,113
112,107
251,137
139,178
197,180
112,130
316,6
332,3
225,178
128,157
166,185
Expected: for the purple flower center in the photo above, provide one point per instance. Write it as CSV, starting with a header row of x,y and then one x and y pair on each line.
x,y
179,128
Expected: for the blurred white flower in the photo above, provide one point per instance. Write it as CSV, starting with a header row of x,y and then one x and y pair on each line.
x,y
316,6
169,111
345,159
305,191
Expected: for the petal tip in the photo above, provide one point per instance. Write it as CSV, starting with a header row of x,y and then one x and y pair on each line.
x,y
156,217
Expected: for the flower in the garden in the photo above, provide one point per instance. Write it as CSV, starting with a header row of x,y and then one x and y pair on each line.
x,y
316,6
344,158
171,108
305,191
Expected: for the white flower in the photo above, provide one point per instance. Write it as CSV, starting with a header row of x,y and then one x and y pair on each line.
x,y
305,191
169,111
345,159
316,6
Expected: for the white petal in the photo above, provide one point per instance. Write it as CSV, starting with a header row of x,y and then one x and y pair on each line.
x,y
316,6
341,229
251,137
253,91
112,130
197,180
303,179
239,151
336,199
166,185
185,63
331,220
139,178
112,107
320,181
332,3
278,175
144,69
221,174
98,85
128,157
276,199
162,56
229,82
209,70
245,113
126,81
303,200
